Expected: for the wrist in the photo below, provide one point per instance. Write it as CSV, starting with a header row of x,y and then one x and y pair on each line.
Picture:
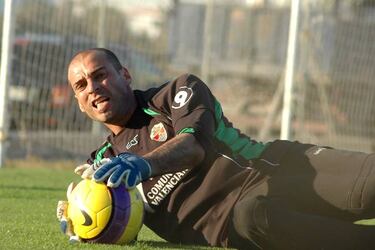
x,y
154,166
142,164
145,170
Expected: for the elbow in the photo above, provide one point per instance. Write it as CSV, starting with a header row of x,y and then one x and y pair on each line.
x,y
198,153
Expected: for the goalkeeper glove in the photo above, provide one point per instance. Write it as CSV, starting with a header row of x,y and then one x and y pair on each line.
x,y
86,170
66,224
130,168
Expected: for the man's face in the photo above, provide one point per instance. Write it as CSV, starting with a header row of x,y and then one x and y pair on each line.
x,y
102,91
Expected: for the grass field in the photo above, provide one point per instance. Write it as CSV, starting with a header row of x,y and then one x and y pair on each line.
x,y
28,198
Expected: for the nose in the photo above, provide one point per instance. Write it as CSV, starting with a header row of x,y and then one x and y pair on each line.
x,y
92,86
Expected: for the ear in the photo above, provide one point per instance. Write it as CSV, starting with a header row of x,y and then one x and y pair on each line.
x,y
126,73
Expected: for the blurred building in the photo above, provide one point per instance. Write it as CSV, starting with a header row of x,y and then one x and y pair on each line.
x,y
246,39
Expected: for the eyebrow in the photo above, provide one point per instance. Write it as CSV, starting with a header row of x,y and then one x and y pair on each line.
x,y
89,75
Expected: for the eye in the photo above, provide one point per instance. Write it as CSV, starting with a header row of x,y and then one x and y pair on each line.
x,y
80,85
100,75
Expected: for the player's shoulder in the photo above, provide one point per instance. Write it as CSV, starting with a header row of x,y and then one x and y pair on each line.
x,y
186,79
181,83
171,87
163,97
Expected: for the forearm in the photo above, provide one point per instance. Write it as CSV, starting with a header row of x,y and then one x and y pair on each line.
x,y
179,153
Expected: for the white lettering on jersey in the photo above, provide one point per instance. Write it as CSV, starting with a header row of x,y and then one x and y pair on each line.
x,y
182,97
164,186
132,142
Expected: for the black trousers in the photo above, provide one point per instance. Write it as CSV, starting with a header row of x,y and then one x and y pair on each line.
x,y
310,198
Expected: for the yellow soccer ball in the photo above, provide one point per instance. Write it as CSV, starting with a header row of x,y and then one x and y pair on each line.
x,y
100,214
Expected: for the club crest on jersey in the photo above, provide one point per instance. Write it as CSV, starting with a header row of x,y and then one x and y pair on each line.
x,y
158,132
182,97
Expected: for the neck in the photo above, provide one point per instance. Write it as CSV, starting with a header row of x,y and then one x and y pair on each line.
x,y
115,128
119,122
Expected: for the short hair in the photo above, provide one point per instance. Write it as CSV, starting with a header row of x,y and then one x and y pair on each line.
x,y
112,58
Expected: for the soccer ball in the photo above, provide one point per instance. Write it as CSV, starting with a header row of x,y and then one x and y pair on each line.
x,y
100,214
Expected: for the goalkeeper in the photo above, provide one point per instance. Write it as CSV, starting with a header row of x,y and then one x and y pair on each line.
x,y
207,183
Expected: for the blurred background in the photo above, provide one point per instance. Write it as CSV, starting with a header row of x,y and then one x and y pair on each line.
x,y
238,47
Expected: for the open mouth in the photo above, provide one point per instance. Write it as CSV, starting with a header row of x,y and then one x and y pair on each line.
x,y
101,104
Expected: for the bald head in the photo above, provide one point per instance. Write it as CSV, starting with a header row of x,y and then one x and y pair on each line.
x,y
109,55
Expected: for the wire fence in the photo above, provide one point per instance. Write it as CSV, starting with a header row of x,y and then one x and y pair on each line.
x,y
238,48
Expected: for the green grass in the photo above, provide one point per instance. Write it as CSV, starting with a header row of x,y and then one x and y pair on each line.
x,y
28,198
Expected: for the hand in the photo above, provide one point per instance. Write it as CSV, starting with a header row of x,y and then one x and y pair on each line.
x,y
130,168
86,170
66,224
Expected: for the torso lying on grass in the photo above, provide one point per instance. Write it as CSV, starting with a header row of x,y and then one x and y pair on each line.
x,y
190,206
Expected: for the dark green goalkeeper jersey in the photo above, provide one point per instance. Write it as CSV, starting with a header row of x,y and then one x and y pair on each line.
x,y
191,206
